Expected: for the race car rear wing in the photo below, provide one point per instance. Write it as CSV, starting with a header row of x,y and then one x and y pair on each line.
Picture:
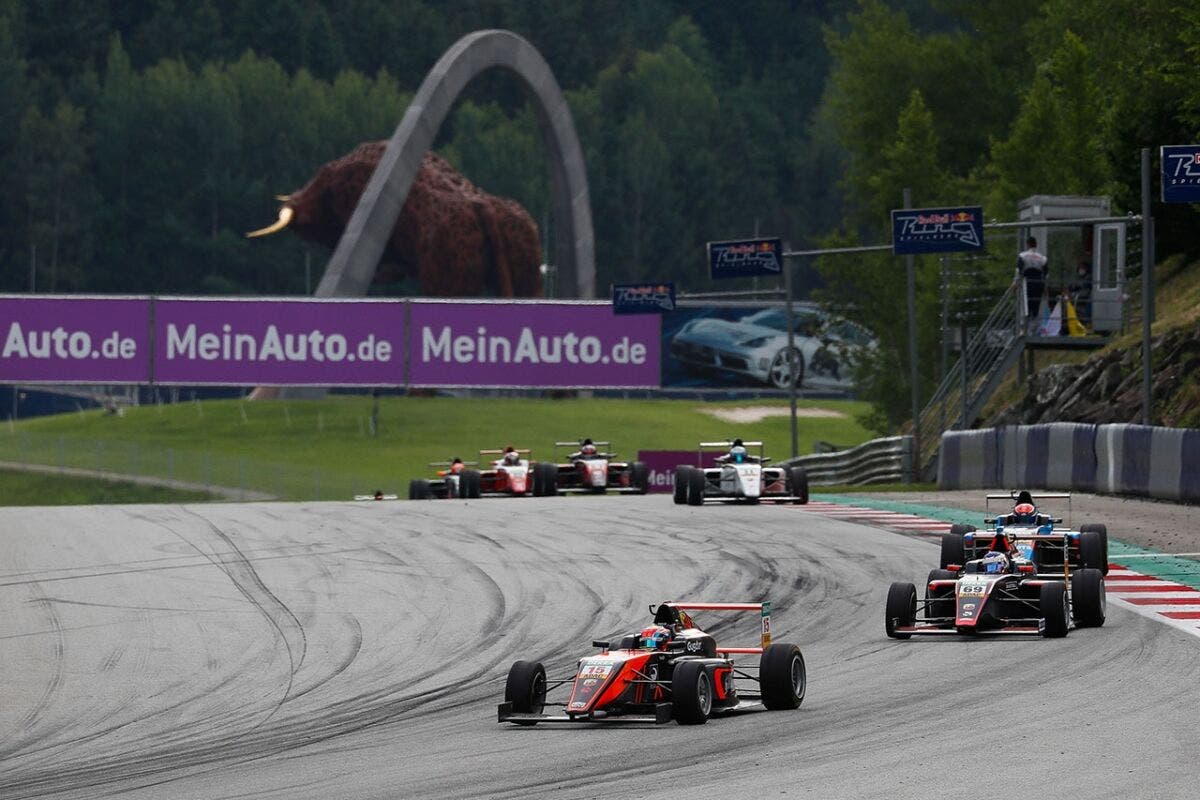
x,y
763,608
502,452
729,443
1039,496
577,444
451,463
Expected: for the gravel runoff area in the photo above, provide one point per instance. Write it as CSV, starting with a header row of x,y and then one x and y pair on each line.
x,y
1159,524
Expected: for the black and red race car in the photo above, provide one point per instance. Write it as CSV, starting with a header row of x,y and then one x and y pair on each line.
x,y
589,469
455,478
671,670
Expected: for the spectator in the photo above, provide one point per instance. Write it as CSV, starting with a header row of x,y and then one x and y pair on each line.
x,y
1031,265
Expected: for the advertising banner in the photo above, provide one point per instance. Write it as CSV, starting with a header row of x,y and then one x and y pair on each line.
x,y
745,258
1180,173
643,298
279,342
50,339
541,344
937,230
745,347
661,465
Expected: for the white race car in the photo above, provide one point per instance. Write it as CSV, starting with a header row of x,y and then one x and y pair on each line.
x,y
739,476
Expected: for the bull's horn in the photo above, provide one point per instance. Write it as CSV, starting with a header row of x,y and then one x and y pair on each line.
x,y
285,216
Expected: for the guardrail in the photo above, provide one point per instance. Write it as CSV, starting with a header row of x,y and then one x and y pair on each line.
x,y
888,460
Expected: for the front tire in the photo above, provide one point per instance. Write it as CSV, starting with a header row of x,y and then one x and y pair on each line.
x,y
1088,598
696,485
691,693
799,484
1052,602
943,604
954,550
469,484
681,484
901,609
526,688
782,677
782,373
418,489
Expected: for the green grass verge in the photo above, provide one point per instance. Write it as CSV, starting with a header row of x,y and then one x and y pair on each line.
x,y
36,489
323,449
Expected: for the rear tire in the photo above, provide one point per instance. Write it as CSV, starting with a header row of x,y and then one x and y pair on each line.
x,y
960,528
799,484
1091,551
691,693
639,477
696,484
901,609
526,688
954,550
469,484
1052,602
1088,598
1101,529
943,604
782,677
418,489
545,479
681,484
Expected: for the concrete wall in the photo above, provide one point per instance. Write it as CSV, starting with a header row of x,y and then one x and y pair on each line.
x,y
1117,459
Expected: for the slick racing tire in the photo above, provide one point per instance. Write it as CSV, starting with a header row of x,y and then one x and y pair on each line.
x,y
798,488
691,693
526,688
959,528
779,376
639,477
1091,551
696,483
1102,530
681,484
544,479
1087,598
782,677
942,603
418,489
954,550
1052,602
468,484
901,609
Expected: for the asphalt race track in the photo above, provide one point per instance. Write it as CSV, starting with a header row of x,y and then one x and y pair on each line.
x,y
340,650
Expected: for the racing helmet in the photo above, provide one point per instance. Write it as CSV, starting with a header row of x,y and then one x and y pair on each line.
x,y
1025,513
655,637
511,457
994,562
457,466
737,453
587,448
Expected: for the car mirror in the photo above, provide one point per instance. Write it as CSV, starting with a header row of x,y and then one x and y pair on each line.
x,y
1056,520
600,644
989,520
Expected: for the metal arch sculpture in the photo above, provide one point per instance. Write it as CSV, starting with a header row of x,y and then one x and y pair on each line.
x,y
357,255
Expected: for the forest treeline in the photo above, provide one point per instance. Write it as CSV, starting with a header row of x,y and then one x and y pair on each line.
x,y
139,141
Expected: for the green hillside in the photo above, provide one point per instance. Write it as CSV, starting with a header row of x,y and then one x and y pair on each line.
x,y
325,449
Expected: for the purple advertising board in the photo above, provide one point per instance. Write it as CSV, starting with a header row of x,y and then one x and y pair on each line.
x,y
539,344
74,339
662,463
279,342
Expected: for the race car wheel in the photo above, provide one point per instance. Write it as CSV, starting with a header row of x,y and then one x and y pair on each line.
x,y
526,688
1091,551
1087,598
782,370
941,602
545,479
953,550
798,478
468,484
901,609
1053,606
696,482
959,528
1101,529
691,693
782,677
681,484
639,477
418,489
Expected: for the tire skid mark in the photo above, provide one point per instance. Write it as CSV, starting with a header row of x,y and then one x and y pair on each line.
x,y
58,653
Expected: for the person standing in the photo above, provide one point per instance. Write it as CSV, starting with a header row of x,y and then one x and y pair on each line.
x,y
1031,265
